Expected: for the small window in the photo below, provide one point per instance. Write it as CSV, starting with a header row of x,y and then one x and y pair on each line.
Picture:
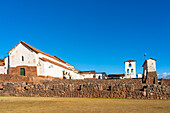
x,y
131,70
22,58
127,70
130,65
94,76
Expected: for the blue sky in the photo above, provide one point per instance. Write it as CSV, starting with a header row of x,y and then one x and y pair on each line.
x,y
90,34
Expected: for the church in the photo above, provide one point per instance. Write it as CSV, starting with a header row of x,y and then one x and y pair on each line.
x,y
26,60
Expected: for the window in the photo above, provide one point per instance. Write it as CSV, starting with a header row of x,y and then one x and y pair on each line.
x,y
94,76
131,70
130,65
22,71
22,58
127,70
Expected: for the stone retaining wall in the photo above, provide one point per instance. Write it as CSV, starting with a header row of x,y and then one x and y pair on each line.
x,y
128,88
165,81
85,90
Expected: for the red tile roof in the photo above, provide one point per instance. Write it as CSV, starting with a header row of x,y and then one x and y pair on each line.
x,y
130,61
87,72
2,62
38,51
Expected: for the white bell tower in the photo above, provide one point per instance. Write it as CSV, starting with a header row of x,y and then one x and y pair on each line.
x,y
149,66
130,69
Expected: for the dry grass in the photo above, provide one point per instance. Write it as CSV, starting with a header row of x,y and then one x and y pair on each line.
x,y
81,105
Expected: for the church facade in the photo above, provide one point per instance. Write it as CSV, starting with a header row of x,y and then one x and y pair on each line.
x,y
26,60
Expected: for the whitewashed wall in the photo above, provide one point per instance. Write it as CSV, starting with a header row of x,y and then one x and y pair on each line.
x,y
2,71
15,57
88,75
49,69
102,76
139,75
42,55
41,68
6,67
130,74
150,66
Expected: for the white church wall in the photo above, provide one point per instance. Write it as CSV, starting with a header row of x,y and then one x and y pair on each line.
x,y
53,70
52,59
20,51
41,68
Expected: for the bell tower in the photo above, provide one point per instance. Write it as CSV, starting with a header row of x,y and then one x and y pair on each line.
x,y
149,71
130,69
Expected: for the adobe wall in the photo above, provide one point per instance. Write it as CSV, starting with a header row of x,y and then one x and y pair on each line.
x,y
29,70
45,87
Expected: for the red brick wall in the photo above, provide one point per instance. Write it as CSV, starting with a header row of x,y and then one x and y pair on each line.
x,y
29,70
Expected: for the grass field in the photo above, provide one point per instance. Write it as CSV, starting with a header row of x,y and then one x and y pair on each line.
x,y
81,105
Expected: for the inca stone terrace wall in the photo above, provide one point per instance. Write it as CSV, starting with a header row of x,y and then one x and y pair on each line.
x,y
128,88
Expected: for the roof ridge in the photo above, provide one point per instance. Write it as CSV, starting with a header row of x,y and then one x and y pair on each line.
x,y
53,62
39,51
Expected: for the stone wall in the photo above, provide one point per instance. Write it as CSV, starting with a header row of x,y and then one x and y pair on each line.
x,y
151,78
165,82
45,87
85,90
29,70
20,79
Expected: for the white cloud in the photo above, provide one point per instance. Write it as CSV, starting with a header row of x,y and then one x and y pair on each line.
x,y
164,75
